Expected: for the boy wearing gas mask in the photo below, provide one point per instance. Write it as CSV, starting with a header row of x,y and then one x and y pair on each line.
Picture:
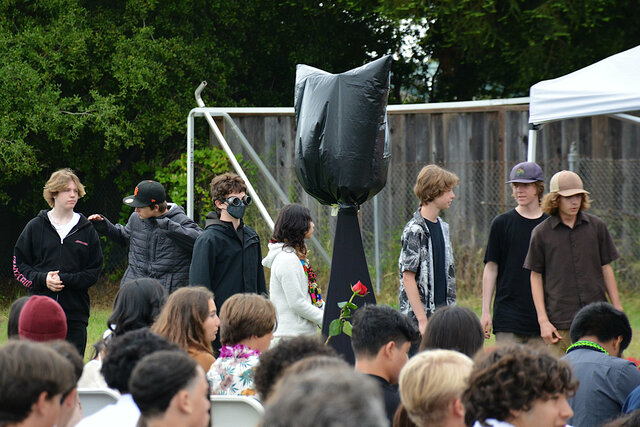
x,y
227,255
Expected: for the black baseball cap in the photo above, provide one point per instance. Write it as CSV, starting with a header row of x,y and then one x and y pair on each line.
x,y
147,193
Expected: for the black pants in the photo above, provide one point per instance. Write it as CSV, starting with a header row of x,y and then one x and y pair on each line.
x,y
77,335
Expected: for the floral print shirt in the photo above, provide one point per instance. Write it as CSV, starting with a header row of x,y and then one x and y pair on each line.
x,y
232,372
416,256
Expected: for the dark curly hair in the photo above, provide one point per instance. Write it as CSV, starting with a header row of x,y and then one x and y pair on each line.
x,y
291,226
274,361
513,377
225,184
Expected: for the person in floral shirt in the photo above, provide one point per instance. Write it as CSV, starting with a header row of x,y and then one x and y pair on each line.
x,y
247,322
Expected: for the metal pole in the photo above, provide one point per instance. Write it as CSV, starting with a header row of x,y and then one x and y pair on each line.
x,y
190,183
232,158
376,240
573,156
531,145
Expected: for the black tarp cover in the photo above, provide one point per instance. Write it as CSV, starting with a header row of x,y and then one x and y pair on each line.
x,y
342,149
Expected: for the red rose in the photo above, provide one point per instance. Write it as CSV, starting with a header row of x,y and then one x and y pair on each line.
x,y
359,289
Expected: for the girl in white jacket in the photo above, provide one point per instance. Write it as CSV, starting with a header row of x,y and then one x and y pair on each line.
x,y
293,288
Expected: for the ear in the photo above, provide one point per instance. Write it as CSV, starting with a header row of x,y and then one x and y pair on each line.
x,y
71,399
388,349
617,344
218,204
41,405
183,401
457,408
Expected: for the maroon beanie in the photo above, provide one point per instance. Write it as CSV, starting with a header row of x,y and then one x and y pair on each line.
x,y
42,319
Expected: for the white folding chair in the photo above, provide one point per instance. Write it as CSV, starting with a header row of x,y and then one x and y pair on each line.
x,y
236,411
94,399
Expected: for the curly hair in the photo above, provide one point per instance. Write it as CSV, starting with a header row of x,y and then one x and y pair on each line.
x,y
511,378
291,226
225,184
551,203
432,181
182,318
274,361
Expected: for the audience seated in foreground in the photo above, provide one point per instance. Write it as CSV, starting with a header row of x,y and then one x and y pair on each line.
x,y
190,320
454,328
33,379
247,322
170,390
14,317
274,361
123,353
381,339
520,386
431,386
42,319
325,398
600,333
631,419
70,410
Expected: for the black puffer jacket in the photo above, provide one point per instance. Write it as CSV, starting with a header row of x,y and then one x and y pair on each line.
x,y
78,258
158,247
226,264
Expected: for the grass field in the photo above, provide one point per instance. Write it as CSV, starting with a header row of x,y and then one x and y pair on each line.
x,y
100,314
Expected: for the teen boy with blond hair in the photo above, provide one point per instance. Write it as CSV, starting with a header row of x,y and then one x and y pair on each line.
x,y
427,278
570,257
514,315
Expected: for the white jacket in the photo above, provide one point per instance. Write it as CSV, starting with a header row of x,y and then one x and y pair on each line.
x,y
289,292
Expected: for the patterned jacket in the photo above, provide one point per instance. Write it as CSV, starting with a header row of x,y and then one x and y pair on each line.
x,y
416,256
232,372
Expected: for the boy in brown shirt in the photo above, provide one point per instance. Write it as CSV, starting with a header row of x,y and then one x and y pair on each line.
x,y
570,257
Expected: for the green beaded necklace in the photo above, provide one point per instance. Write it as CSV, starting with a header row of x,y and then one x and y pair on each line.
x,y
590,345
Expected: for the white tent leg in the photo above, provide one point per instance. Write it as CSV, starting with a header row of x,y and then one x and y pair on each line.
x,y
531,144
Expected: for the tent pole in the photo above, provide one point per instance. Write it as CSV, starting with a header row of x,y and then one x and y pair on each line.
x,y
531,143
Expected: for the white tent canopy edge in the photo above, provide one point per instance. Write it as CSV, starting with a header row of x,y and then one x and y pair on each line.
x,y
608,87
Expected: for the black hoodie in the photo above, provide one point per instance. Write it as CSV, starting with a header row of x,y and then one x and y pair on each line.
x,y
78,258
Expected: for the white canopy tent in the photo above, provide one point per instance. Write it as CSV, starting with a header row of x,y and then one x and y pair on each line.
x,y
610,86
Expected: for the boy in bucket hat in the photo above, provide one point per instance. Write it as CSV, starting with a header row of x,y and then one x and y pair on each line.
x,y
514,315
570,257
160,237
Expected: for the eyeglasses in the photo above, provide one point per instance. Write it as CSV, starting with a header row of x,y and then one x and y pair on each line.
x,y
237,201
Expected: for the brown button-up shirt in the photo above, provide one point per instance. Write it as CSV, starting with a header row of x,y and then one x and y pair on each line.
x,y
570,261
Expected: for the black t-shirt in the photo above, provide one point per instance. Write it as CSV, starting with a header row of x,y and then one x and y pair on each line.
x,y
391,396
437,253
513,308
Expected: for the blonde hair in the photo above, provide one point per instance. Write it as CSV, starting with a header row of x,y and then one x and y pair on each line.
x,y
58,182
432,181
245,315
430,381
551,202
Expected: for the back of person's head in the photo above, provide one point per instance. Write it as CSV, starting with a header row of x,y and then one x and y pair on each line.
x,y
374,326
69,352
292,224
58,182
182,318
602,320
315,362
14,317
159,377
512,378
401,418
42,319
430,382
137,305
274,361
225,184
124,351
244,316
432,181
454,328
27,370
631,419
325,398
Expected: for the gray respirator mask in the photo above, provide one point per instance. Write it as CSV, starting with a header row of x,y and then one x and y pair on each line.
x,y
236,206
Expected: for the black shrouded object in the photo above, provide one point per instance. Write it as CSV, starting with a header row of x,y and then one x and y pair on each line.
x,y
342,152
342,156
